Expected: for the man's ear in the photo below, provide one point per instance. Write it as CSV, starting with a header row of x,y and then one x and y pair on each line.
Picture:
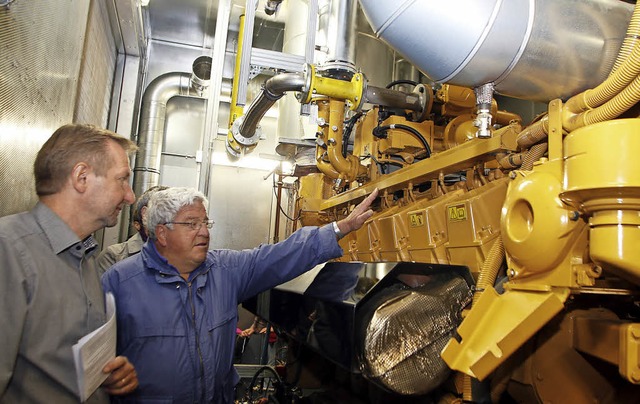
x,y
161,235
79,176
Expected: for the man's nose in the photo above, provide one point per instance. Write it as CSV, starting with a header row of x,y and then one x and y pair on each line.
x,y
129,196
203,230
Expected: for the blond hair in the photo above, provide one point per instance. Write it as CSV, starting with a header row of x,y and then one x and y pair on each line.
x,y
69,145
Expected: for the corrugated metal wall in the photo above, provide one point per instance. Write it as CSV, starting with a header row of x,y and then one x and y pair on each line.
x,y
97,70
41,85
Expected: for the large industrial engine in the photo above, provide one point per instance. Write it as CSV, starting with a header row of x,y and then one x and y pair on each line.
x,y
503,255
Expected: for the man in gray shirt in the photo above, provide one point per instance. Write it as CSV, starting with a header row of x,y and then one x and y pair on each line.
x,y
50,291
120,251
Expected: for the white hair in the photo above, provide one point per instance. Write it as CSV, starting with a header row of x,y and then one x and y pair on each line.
x,y
165,205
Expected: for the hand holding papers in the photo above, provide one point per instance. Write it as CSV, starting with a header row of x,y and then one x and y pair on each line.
x,y
94,351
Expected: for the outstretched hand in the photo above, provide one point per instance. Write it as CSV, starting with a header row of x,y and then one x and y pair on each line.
x,y
358,215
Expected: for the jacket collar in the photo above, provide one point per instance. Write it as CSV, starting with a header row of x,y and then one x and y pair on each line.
x,y
154,261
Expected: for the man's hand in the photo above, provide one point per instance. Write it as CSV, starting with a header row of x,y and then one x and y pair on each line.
x,y
358,215
122,379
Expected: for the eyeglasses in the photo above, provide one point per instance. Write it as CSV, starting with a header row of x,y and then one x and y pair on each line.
x,y
195,224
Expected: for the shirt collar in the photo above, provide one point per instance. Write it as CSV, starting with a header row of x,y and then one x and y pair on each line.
x,y
59,234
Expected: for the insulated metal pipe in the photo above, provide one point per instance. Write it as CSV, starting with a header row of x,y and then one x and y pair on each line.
x,y
524,47
392,98
339,30
336,38
146,171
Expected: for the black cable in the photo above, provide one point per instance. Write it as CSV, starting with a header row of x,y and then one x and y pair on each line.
x,y
396,82
380,130
350,123
380,165
255,378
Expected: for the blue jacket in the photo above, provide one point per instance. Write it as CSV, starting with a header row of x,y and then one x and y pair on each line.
x,y
180,335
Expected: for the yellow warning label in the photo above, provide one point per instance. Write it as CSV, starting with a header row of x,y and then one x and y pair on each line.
x,y
457,212
416,219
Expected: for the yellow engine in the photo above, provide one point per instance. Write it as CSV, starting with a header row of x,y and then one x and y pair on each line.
x,y
545,215
552,246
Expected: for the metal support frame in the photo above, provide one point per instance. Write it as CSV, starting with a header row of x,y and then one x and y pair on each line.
x,y
267,59
247,44
213,102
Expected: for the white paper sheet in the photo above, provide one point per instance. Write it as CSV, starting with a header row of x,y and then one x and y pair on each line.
x,y
94,351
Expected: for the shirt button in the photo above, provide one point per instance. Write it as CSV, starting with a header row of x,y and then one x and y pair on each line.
x,y
177,286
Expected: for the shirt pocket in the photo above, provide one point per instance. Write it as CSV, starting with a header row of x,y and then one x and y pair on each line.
x,y
155,331
221,329
163,362
219,320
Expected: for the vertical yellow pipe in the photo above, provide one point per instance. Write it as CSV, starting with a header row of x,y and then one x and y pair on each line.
x,y
234,110
325,167
349,167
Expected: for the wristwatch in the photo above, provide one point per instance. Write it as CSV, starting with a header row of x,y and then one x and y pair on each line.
x,y
337,231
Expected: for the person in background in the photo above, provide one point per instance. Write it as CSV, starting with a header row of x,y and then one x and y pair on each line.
x,y
259,326
177,300
120,251
50,291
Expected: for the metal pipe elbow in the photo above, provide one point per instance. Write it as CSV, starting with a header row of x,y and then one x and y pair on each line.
x,y
272,91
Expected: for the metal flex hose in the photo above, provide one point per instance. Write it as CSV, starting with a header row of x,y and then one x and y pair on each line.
x,y
273,90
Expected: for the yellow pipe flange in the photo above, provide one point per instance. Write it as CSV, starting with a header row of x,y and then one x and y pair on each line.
x,y
350,91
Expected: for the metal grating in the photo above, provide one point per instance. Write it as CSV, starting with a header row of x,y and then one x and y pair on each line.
x,y
40,53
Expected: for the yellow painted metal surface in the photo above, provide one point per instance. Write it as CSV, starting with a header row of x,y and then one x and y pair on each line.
x,y
534,219
236,110
629,355
477,150
602,179
506,321
350,91
473,222
427,231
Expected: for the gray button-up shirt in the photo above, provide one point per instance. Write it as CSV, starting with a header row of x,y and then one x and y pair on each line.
x,y
50,296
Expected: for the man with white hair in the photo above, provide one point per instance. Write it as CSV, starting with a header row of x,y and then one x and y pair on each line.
x,y
177,300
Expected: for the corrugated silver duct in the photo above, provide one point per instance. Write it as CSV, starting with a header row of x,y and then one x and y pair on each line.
x,y
532,49
153,114
245,128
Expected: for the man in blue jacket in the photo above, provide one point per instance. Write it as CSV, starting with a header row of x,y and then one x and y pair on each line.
x,y
177,300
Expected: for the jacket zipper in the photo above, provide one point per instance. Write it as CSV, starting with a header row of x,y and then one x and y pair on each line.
x,y
195,329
